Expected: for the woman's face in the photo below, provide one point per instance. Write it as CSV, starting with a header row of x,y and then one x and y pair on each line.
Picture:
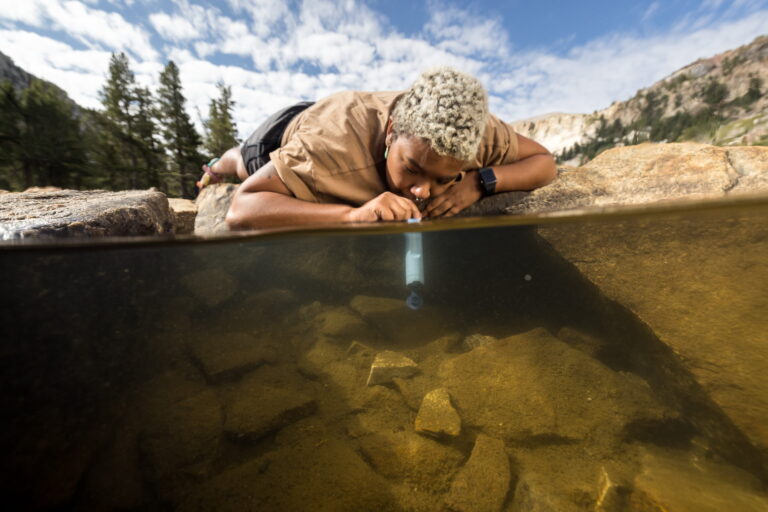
x,y
415,171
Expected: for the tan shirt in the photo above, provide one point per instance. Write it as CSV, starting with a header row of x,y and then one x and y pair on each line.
x,y
333,152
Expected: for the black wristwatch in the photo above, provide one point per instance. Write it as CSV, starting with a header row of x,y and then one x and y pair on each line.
x,y
487,180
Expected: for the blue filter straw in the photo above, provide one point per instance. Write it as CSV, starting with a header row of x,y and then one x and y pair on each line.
x,y
414,270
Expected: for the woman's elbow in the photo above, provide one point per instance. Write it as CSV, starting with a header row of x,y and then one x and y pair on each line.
x,y
235,219
550,171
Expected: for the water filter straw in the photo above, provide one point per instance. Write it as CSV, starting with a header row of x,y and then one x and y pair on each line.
x,y
414,269
414,264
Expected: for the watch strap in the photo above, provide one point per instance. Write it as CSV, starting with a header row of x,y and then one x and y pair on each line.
x,y
487,180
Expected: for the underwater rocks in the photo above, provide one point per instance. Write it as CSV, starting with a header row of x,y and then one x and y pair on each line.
x,y
437,416
523,387
476,340
180,442
211,287
698,282
419,461
319,474
483,483
341,322
226,357
74,213
399,324
258,409
674,484
389,365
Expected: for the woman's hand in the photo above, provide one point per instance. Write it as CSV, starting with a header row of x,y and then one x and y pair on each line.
x,y
385,207
459,196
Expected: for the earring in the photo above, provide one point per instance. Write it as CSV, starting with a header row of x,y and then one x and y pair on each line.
x,y
386,152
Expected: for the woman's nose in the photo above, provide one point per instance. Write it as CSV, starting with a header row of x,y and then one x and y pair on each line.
x,y
420,190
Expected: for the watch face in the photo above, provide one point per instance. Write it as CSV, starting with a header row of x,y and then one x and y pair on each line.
x,y
488,179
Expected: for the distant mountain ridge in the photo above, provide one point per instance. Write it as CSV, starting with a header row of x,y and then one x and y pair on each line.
x,y
20,80
718,100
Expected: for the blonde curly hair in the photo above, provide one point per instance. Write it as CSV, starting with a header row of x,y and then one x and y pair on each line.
x,y
446,107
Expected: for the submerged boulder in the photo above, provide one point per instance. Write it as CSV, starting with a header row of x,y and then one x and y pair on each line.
x,y
389,365
437,416
420,461
483,483
698,281
257,410
312,474
231,355
180,442
533,386
671,483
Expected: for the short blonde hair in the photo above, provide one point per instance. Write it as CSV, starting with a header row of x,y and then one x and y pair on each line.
x,y
446,107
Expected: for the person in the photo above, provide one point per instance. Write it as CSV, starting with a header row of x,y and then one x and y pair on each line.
x,y
427,152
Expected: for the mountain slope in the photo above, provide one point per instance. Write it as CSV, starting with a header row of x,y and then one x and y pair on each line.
x,y
720,100
20,80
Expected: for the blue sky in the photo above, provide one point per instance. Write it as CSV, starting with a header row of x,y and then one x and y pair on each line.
x,y
533,57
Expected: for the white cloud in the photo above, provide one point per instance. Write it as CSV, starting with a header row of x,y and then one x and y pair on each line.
x,y
174,28
612,68
347,45
651,11
94,28
266,16
79,72
462,33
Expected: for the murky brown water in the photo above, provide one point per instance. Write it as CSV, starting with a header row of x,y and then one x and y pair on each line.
x,y
615,362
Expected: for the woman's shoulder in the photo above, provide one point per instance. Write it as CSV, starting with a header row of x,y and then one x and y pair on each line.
x,y
349,101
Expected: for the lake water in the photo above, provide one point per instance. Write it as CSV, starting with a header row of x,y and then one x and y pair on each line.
x,y
599,362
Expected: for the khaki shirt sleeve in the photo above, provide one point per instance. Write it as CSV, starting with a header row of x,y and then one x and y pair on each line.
x,y
498,146
294,166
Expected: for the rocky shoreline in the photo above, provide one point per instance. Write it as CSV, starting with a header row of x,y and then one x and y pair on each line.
x,y
626,176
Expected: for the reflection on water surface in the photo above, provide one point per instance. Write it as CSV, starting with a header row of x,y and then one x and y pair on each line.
x,y
614,363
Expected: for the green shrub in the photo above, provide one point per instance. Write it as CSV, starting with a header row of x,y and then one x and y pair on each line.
x,y
714,93
673,84
730,63
753,94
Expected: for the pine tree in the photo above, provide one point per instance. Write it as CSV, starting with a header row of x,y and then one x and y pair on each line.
x,y
146,131
117,94
221,130
118,155
130,150
40,137
11,123
179,134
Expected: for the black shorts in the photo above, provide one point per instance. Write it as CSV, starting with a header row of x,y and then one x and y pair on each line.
x,y
267,137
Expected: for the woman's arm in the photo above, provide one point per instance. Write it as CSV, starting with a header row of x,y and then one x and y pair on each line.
x,y
263,201
534,168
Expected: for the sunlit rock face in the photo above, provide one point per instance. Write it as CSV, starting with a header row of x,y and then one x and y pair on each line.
x,y
74,213
642,175
684,92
